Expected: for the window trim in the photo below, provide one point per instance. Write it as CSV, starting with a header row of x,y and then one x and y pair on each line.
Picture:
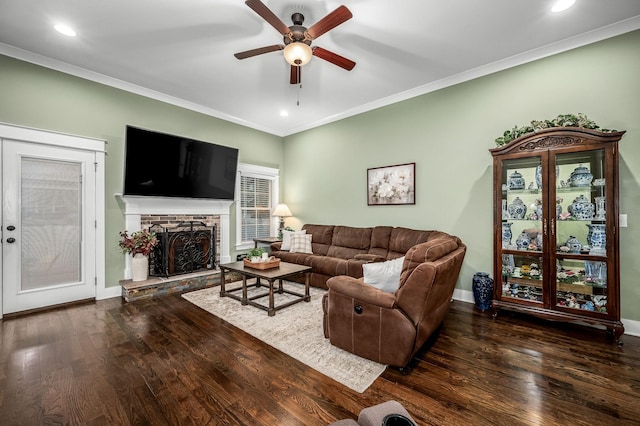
x,y
261,172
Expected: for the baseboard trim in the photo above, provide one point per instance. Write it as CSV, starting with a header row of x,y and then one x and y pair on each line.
x,y
631,327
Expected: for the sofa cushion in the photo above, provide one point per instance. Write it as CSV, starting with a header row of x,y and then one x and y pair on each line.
x,y
347,236
300,243
380,241
321,239
402,239
286,238
297,258
327,265
384,275
347,242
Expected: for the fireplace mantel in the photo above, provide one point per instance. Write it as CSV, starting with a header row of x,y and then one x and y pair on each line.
x,y
133,207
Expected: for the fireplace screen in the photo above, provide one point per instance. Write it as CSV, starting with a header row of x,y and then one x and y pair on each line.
x,y
187,247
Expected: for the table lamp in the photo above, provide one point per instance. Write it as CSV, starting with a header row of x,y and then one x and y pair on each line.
x,y
282,211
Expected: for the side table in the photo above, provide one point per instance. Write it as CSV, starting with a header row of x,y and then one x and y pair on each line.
x,y
265,240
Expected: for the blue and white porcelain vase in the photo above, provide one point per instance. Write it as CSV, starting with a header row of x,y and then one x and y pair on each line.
x,y
598,236
523,241
482,285
506,234
581,176
574,244
517,209
582,208
539,176
515,181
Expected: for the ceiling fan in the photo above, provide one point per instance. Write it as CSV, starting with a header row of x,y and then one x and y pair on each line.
x,y
297,39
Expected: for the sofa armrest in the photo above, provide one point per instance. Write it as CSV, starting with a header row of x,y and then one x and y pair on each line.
x,y
357,289
370,258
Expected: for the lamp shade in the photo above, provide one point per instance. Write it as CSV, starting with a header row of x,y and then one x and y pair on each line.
x,y
282,210
297,53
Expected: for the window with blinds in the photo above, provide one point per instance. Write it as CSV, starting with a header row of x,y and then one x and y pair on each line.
x,y
255,206
256,197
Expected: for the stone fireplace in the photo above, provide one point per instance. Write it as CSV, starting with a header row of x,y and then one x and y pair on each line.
x,y
142,212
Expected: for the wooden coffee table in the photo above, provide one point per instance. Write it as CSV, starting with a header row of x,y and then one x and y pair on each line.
x,y
270,275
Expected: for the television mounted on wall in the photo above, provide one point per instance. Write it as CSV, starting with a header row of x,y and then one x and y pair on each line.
x,y
163,165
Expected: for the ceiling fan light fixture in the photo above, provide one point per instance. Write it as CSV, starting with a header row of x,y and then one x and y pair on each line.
x,y
65,29
298,53
562,5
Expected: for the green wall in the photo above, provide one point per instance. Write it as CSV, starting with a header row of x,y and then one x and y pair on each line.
x,y
447,134
38,97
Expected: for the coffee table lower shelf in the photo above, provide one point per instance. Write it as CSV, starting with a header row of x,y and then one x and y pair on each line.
x,y
271,276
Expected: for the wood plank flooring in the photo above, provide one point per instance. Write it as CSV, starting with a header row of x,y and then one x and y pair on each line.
x,y
164,361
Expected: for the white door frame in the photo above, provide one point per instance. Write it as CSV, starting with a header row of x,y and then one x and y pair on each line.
x,y
26,134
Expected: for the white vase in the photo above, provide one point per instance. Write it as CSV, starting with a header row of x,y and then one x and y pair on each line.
x,y
139,267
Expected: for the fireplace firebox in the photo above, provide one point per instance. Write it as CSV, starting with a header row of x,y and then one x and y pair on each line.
x,y
182,249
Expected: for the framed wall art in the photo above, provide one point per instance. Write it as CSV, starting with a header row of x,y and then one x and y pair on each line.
x,y
391,185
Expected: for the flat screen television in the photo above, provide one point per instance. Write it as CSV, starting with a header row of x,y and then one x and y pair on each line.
x,y
163,165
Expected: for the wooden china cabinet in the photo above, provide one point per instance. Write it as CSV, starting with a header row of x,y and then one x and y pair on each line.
x,y
556,239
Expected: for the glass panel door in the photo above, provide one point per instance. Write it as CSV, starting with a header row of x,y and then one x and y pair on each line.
x,y
51,221
522,232
580,231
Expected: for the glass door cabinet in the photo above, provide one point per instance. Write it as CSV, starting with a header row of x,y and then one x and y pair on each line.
x,y
556,227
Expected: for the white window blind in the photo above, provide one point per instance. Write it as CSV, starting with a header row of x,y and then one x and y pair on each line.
x,y
257,192
256,207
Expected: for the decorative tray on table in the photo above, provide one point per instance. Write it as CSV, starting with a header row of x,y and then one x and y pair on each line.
x,y
272,262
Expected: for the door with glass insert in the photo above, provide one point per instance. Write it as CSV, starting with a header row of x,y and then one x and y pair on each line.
x,y
580,233
523,203
48,225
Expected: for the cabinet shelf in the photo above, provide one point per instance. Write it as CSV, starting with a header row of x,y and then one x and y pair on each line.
x,y
549,161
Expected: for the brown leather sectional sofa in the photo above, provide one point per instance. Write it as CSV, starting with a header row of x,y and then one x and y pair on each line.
x,y
385,327
342,250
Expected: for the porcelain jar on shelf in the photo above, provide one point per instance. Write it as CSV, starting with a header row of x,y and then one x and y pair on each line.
x,y
523,241
517,209
581,208
516,181
580,176
598,236
506,235
574,244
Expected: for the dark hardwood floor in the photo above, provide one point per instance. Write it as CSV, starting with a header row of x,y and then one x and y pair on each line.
x,y
164,361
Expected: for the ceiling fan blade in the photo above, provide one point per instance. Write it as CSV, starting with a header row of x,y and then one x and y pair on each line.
x,y
266,14
334,58
259,51
296,75
330,21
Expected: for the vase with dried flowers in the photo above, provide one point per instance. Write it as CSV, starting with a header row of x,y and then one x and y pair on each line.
x,y
139,244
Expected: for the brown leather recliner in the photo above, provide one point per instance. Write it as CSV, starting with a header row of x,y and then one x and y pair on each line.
x,y
391,327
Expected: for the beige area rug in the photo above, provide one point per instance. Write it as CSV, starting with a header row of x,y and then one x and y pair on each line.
x,y
295,330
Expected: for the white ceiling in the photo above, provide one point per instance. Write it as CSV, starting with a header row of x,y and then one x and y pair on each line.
x,y
181,51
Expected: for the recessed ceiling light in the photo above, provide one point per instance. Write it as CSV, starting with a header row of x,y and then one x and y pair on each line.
x,y
65,29
561,5
284,113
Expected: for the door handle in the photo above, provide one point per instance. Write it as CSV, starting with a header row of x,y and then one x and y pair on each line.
x,y
11,240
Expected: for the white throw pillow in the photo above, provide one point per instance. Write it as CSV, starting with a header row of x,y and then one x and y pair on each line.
x,y
384,275
286,238
301,243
